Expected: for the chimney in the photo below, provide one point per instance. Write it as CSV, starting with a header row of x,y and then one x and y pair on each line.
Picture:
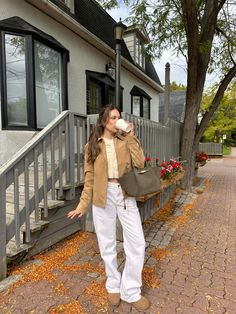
x,y
167,93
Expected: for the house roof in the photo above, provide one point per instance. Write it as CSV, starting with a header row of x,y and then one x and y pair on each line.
x,y
94,18
16,23
139,92
141,32
177,106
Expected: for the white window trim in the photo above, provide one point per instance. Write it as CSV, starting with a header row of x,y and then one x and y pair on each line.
x,y
68,3
137,57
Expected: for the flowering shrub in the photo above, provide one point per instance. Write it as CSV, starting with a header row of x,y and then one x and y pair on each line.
x,y
149,161
202,156
170,169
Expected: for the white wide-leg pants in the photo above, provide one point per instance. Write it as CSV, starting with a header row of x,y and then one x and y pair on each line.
x,y
134,244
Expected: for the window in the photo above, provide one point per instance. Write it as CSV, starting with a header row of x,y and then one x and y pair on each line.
x,y
139,56
94,95
16,98
100,91
66,5
48,87
140,103
111,95
33,77
136,106
146,108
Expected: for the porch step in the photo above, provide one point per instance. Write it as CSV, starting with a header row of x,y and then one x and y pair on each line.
x,y
68,192
35,229
68,186
36,226
52,204
17,254
56,229
48,230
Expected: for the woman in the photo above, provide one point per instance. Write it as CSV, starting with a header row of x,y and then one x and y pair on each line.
x,y
108,155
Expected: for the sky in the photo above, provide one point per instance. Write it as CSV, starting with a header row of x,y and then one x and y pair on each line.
x,y
178,71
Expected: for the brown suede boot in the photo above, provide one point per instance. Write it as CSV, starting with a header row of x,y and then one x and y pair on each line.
x,y
114,298
142,304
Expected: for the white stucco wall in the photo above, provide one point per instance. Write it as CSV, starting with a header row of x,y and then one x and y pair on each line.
x,y
83,56
128,80
11,142
129,41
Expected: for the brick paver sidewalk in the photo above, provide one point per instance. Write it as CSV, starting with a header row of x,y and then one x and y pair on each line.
x,y
200,275
189,268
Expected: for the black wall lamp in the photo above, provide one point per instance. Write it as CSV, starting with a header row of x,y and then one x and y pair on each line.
x,y
110,69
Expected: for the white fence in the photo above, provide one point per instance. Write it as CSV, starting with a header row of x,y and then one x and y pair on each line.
x,y
212,149
161,141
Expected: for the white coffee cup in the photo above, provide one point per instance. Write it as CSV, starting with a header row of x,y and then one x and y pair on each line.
x,y
122,125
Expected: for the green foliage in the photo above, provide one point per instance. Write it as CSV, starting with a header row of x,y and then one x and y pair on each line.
x,y
175,87
165,21
224,43
226,150
204,32
109,4
224,118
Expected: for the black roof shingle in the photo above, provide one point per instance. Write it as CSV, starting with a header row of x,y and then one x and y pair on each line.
x,y
15,23
94,18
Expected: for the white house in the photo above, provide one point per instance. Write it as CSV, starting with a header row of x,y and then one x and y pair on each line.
x,y
57,55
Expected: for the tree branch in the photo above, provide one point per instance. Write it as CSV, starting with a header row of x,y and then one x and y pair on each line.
x,y
177,8
229,39
220,6
215,103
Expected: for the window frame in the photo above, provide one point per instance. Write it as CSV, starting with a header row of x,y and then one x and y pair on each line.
x,y
138,92
141,106
66,7
94,81
30,78
106,82
139,55
149,107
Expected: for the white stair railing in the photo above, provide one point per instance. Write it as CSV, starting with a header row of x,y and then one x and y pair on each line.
x,y
49,161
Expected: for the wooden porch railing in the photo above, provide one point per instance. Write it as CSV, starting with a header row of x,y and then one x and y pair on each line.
x,y
45,164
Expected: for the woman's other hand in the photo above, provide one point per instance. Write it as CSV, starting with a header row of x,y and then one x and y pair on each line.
x,y
74,213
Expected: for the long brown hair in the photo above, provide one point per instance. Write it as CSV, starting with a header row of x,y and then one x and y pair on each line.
x,y
93,145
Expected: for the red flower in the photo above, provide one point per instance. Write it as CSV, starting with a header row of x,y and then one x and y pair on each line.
x,y
201,156
170,169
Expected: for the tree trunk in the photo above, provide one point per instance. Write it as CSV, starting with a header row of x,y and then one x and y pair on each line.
x,y
198,61
187,152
